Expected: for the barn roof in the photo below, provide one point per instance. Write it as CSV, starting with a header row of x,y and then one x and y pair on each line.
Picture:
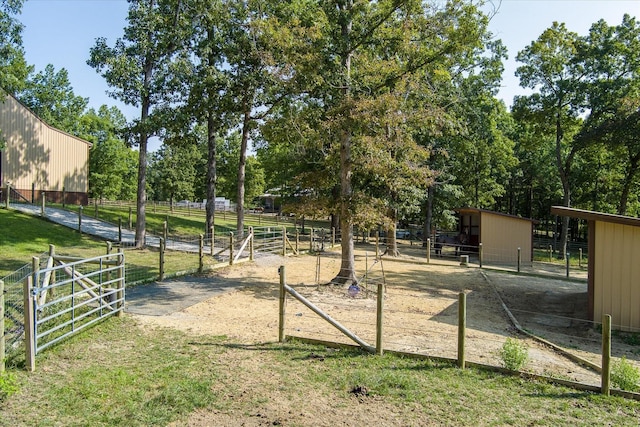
x,y
595,216
478,210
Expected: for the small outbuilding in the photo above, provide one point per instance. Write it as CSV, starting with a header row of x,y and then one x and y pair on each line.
x,y
614,270
38,158
500,234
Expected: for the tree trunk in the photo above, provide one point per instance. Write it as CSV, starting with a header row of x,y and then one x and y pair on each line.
x,y
392,242
141,200
563,171
211,173
242,164
347,274
426,231
634,160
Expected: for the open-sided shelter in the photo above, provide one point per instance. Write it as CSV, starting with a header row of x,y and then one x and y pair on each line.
x,y
614,270
500,234
39,158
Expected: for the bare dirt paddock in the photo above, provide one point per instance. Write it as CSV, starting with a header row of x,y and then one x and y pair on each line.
x,y
420,310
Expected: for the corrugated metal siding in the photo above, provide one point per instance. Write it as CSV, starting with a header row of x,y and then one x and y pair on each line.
x,y
38,154
617,274
501,236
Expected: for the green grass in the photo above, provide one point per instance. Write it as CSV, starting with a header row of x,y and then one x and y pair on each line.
x,y
122,374
23,236
188,222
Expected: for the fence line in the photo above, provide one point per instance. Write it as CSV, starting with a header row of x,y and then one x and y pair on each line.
x,y
436,334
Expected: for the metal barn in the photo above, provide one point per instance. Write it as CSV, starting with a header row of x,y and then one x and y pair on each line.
x,y
614,270
39,158
500,234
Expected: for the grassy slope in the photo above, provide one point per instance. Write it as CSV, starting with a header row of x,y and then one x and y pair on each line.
x,y
23,236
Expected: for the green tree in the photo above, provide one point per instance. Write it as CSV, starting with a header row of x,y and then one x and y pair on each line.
x,y
50,96
550,68
229,158
361,54
611,58
112,164
173,172
140,68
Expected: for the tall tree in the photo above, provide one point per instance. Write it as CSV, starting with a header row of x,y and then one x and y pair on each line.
x,y
139,69
551,69
361,54
611,57
206,85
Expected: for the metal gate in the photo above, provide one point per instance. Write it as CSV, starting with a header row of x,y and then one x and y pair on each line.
x,y
69,295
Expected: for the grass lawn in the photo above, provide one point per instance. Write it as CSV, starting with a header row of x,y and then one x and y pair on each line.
x,y
121,374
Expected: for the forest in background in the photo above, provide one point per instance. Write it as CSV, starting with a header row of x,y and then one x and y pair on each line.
x,y
371,113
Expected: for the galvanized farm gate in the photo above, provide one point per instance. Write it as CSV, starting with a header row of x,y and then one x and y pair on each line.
x,y
68,295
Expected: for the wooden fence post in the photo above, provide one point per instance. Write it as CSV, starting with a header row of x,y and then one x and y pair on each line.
x,y
284,241
462,326
297,240
80,220
7,196
480,254
43,202
165,229
428,250
161,263
580,257
2,340
201,254
231,248
606,355
568,262
282,304
380,306
550,253
519,259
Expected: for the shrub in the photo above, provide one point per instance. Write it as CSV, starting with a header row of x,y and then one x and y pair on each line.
x,y
8,385
514,354
625,375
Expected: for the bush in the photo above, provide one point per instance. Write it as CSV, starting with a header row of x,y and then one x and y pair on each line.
x,y
625,375
8,385
514,354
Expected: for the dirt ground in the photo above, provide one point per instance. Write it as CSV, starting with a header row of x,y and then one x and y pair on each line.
x,y
420,315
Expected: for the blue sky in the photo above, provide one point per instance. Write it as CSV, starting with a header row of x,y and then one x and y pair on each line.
x,y
61,32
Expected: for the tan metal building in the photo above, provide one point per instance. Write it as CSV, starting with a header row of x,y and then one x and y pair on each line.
x,y
39,158
614,270
500,234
